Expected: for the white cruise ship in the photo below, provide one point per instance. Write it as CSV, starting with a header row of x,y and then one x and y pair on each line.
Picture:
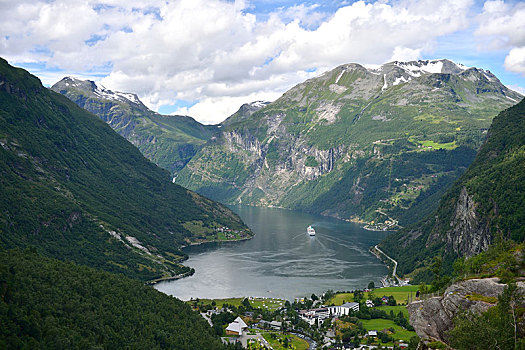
x,y
310,230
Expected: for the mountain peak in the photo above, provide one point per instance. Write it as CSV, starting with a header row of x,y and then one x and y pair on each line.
x,y
416,68
96,89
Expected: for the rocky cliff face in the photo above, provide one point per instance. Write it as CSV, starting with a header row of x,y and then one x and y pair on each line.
x,y
488,201
469,234
355,142
169,141
432,318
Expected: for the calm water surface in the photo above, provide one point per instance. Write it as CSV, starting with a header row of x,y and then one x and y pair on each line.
x,y
282,260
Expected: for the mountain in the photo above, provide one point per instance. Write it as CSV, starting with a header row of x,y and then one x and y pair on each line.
x,y
486,205
379,144
76,190
50,304
169,141
245,111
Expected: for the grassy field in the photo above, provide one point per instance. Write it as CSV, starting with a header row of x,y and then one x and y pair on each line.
x,y
380,324
261,303
339,298
435,145
396,309
401,294
277,342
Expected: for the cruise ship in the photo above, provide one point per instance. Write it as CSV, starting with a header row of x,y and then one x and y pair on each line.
x,y
310,230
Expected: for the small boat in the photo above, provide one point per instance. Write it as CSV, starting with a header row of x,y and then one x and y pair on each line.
x,y
310,230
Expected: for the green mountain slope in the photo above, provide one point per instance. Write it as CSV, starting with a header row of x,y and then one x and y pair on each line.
x,y
49,304
355,143
486,204
76,190
168,141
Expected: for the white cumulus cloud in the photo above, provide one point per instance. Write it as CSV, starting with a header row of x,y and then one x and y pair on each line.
x,y
220,53
502,27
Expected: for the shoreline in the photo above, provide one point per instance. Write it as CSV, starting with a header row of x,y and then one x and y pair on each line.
x,y
364,224
217,241
192,271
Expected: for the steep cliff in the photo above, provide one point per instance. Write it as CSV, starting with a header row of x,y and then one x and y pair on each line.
x,y
355,142
432,318
487,202
170,141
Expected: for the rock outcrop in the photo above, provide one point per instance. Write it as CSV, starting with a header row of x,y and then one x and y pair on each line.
x,y
432,318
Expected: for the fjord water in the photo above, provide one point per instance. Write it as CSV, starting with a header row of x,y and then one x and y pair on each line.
x,y
282,260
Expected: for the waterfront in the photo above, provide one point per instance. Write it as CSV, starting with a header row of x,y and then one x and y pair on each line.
x,y
282,260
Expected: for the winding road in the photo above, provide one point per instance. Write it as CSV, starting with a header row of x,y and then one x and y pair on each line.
x,y
395,265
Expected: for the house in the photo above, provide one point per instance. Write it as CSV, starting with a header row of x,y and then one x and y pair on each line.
x,y
372,333
344,309
276,325
369,303
236,327
214,311
384,299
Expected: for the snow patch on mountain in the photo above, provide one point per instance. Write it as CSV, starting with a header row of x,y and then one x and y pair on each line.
x,y
339,77
259,104
401,80
101,91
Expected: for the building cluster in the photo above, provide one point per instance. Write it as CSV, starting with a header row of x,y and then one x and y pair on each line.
x,y
318,315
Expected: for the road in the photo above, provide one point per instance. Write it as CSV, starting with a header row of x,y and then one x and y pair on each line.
x,y
395,265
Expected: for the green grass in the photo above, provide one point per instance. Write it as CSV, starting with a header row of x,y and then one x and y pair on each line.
x,y
401,294
395,309
435,145
380,324
296,342
339,298
260,303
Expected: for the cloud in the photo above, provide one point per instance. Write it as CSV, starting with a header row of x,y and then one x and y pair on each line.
x,y
517,88
216,52
502,27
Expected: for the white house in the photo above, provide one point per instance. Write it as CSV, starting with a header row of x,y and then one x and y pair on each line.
x,y
236,327
344,309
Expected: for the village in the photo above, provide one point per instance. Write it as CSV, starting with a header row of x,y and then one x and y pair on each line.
x,y
372,318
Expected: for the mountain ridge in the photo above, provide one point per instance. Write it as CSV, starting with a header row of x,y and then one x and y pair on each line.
x,y
168,140
78,191
331,141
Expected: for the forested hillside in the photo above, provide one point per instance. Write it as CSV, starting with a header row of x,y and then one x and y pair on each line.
x,y
169,141
76,190
485,205
49,304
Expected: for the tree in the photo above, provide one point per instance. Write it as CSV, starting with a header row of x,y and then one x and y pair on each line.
x,y
314,297
494,329
391,301
358,295
246,303
371,285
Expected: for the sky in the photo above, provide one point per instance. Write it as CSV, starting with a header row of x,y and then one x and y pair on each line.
x,y
205,58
